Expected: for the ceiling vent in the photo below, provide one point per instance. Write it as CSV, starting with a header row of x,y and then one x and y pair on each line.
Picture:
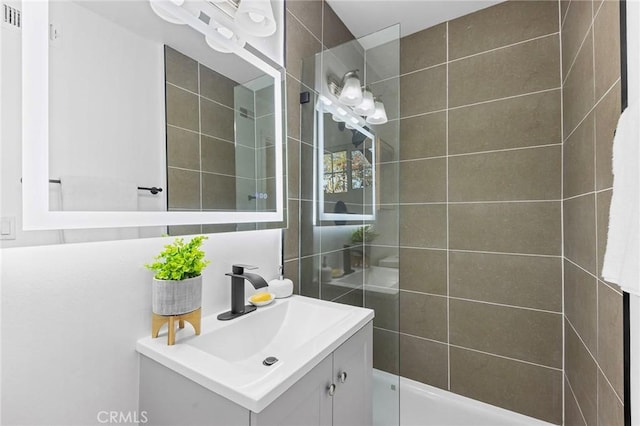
x,y
11,16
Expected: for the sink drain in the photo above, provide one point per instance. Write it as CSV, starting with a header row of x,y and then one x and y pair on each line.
x,y
269,361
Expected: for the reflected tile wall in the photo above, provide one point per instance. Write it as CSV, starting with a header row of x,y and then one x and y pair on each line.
x,y
200,151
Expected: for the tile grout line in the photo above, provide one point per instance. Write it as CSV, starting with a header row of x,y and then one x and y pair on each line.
x,y
472,350
593,108
484,302
448,60
595,361
561,22
595,199
488,101
491,151
447,204
592,275
566,380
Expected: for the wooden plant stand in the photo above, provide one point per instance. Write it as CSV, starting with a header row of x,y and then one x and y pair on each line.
x,y
157,321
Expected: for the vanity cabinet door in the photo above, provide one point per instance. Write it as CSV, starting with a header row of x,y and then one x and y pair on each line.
x,y
353,377
306,403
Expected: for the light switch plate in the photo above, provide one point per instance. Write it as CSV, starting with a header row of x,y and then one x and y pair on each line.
x,y
8,228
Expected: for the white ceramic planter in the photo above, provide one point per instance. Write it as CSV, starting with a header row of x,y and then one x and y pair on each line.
x,y
171,297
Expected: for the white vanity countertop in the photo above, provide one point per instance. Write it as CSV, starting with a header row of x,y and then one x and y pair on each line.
x,y
227,357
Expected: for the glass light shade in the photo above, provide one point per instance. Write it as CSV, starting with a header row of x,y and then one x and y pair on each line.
x,y
222,38
337,118
367,106
255,17
161,12
379,116
351,94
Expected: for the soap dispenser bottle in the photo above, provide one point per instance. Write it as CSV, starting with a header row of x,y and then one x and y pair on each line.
x,y
326,271
282,287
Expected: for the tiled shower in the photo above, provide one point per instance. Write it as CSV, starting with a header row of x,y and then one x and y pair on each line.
x,y
506,124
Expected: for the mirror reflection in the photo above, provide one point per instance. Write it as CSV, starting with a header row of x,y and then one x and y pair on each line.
x,y
155,116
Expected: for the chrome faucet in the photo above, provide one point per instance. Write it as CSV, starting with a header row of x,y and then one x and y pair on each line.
x,y
238,275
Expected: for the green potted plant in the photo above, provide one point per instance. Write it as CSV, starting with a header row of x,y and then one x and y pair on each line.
x,y
177,283
363,234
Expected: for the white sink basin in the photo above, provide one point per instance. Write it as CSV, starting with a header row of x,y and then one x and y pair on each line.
x,y
227,357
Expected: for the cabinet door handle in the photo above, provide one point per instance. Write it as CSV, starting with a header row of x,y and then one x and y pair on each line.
x,y
343,377
332,389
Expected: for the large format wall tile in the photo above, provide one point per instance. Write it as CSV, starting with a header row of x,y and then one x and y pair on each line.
x,y
607,113
216,87
183,149
530,227
309,12
423,270
606,45
603,204
610,406
509,123
514,70
528,281
217,120
423,225
218,192
423,91
501,25
218,156
578,167
580,231
518,333
424,360
423,181
578,92
305,46
180,70
581,371
423,315
524,174
182,108
521,387
572,414
610,346
335,32
574,31
581,303
386,350
423,49
187,195
423,136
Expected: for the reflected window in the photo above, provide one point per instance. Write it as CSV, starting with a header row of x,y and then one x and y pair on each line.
x,y
361,171
335,172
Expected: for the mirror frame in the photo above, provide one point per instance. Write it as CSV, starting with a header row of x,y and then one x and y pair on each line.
x,y
35,146
318,192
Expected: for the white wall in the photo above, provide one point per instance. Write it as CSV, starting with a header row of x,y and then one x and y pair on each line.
x,y
71,315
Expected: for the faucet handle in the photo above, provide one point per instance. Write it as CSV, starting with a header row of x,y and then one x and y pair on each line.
x,y
239,268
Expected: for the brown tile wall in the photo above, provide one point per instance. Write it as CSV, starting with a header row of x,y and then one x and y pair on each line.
x,y
311,26
592,307
198,179
481,208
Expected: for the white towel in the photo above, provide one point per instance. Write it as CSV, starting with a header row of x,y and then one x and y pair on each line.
x,y
89,193
622,257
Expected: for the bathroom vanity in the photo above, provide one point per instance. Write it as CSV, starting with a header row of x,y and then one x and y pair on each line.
x,y
322,376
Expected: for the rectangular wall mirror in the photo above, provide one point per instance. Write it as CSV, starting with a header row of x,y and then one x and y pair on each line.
x,y
160,113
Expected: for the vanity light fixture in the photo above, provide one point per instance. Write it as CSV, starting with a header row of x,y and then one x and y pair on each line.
x,y
367,106
351,93
379,116
352,98
255,17
230,20
164,14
